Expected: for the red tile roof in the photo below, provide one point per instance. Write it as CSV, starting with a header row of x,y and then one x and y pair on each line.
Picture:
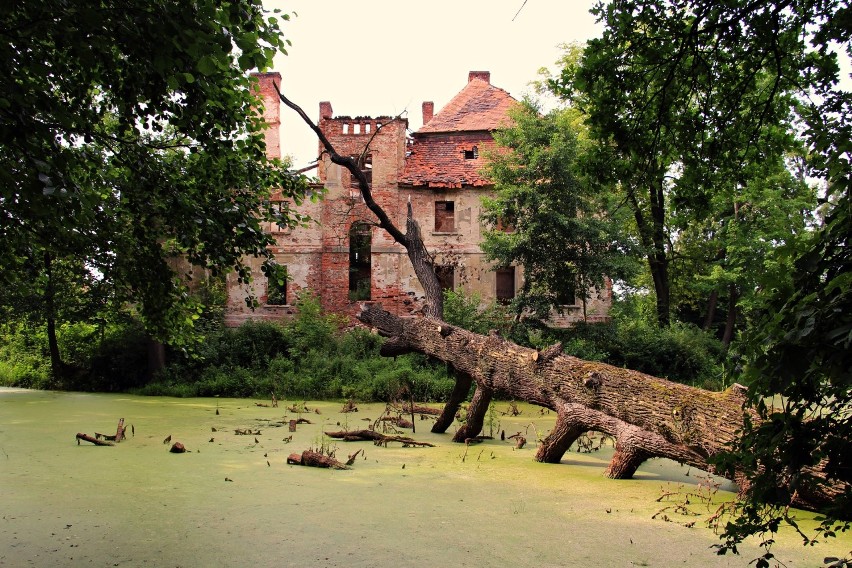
x,y
479,106
437,155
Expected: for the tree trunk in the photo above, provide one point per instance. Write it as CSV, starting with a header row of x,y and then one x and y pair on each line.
x,y
56,367
652,233
475,415
459,395
156,357
731,321
647,416
711,310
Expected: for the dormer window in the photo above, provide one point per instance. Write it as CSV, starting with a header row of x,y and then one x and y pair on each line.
x,y
471,154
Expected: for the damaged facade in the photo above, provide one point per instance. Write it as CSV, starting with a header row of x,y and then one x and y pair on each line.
x,y
345,260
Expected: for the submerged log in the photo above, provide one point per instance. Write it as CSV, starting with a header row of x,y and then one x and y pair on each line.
x,y
377,438
311,458
647,416
95,441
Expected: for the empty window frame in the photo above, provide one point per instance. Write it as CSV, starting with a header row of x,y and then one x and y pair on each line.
x,y
445,218
566,297
365,164
505,284
471,154
360,244
276,288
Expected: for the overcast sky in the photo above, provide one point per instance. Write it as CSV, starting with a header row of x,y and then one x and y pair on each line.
x,y
382,57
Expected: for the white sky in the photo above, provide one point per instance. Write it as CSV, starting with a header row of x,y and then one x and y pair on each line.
x,y
382,57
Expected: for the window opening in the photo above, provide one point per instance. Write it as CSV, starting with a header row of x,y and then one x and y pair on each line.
x,y
445,217
276,287
346,128
365,164
356,128
505,290
566,297
360,243
471,154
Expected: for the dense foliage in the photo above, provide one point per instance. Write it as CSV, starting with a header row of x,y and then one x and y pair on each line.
x,y
307,358
129,136
546,216
701,109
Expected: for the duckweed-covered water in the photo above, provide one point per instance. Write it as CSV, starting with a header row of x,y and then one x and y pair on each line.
x,y
233,501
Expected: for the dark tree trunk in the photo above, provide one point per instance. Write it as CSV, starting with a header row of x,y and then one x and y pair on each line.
x,y
57,368
730,322
156,357
711,310
658,259
459,395
652,233
475,414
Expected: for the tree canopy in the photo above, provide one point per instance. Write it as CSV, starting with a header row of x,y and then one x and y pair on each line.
x,y
700,103
130,136
546,216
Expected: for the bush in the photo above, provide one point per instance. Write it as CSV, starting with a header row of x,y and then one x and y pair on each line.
x,y
681,352
24,361
307,358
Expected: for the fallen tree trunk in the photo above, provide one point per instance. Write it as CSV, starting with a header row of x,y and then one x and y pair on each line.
x,y
377,438
95,441
315,459
647,416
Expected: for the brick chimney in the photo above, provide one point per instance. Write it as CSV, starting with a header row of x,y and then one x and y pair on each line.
x,y
428,111
481,75
325,110
266,83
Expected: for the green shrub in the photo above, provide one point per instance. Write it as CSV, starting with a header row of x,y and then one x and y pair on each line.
x,y
468,311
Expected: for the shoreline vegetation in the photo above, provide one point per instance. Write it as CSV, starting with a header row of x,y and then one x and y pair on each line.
x,y
315,356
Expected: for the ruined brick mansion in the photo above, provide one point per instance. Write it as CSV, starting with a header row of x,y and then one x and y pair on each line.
x,y
345,260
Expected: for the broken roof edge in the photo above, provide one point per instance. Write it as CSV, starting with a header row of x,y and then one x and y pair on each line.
x,y
347,117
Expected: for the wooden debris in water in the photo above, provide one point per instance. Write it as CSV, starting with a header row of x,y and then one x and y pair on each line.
x,y
95,441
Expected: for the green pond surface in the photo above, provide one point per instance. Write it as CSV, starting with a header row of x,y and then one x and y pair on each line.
x,y
232,500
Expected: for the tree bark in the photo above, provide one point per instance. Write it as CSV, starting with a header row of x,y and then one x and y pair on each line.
x,y
647,416
459,395
475,414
